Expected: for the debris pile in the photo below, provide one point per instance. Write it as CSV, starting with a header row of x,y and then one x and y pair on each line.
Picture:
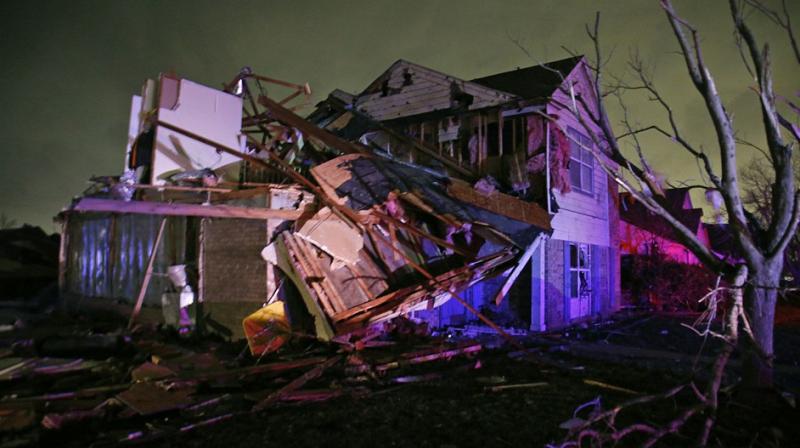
x,y
117,387
358,236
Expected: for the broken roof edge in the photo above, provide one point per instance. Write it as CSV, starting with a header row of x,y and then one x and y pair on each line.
x,y
516,81
377,81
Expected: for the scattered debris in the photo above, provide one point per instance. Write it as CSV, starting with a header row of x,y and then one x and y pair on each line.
x,y
609,386
516,386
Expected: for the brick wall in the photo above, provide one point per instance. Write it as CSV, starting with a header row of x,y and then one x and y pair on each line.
x,y
604,283
233,270
614,244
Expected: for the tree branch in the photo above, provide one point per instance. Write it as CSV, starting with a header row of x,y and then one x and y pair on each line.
x,y
782,204
705,85
791,229
782,19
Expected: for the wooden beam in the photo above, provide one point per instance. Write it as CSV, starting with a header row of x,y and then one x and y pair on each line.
x,y
289,118
180,188
167,209
500,124
526,256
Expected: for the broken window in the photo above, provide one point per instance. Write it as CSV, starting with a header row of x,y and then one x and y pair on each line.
x,y
581,166
579,270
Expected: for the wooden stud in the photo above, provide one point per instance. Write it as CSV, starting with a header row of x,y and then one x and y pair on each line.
x,y
500,123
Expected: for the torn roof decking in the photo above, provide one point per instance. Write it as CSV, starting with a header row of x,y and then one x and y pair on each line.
x,y
411,179
407,90
366,181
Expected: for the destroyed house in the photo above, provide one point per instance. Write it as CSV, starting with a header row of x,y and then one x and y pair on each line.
x,y
425,195
508,135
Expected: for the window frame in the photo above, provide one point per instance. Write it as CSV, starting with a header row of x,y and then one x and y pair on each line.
x,y
584,160
586,289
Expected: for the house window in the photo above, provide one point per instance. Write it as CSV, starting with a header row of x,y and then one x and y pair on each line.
x,y
580,271
581,166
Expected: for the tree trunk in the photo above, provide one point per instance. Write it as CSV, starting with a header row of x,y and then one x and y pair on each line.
x,y
761,294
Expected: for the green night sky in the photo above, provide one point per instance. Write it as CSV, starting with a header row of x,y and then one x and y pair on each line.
x,y
68,68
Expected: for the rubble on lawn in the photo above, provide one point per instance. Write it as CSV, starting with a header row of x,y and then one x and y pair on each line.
x,y
151,384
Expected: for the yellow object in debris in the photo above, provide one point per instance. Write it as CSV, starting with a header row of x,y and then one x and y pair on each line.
x,y
267,329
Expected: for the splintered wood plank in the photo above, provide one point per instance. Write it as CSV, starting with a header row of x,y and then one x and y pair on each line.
x,y
312,260
400,294
313,303
371,274
297,383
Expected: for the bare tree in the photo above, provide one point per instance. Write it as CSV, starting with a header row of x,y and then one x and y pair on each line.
x,y
762,238
762,246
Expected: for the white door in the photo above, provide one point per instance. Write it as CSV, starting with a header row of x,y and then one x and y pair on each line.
x,y
580,281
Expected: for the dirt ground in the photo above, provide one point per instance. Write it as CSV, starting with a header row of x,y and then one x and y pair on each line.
x,y
498,396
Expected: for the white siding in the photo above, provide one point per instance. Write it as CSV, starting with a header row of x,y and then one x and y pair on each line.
x,y
581,217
